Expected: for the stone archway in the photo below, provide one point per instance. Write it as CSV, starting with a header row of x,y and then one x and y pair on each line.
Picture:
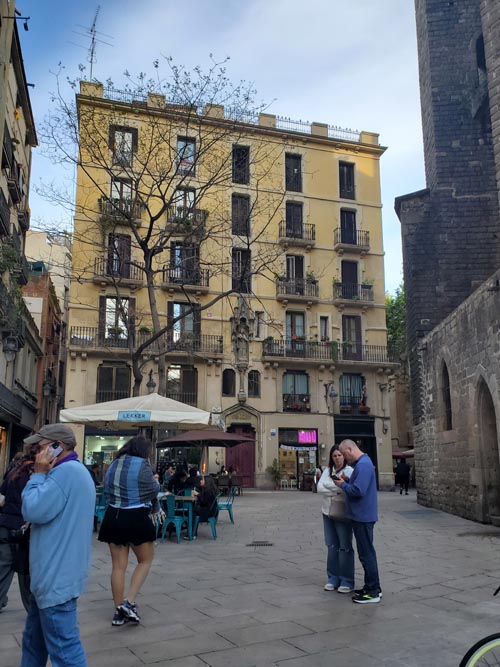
x,y
489,454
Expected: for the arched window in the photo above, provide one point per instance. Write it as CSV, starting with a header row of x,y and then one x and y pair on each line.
x,y
228,382
445,389
254,384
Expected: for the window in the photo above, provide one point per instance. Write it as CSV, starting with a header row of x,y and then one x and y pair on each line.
x,y
241,164
253,384
184,202
446,394
346,180
351,389
228,382
121,190
324,327
296,396
116,319
182,384
184,263
119,246
240,215
295,274
295,324
348,227
123,144
259,324
348,288
113,382
293,172
351,337
186,156
294,220
241,266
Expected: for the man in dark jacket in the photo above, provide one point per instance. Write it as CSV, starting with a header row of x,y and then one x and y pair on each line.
x,y
361,509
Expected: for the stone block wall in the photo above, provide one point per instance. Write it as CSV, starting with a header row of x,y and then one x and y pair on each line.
x,y
454,472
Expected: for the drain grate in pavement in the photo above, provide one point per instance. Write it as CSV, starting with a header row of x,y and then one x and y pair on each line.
x,y
260,543
474,534
419,514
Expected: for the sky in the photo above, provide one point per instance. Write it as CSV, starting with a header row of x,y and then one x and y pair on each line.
x,y
352,65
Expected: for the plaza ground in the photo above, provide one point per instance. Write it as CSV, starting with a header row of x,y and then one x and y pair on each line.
x,y
224,603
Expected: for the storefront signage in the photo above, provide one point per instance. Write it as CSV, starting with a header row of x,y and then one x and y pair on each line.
x,y
134,415
307,437
298,448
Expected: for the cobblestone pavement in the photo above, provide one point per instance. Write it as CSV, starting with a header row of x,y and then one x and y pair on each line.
x,y
224,603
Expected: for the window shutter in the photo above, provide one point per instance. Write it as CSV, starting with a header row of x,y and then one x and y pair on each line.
x,y
102,319
170,320
111,138
131,318
197,321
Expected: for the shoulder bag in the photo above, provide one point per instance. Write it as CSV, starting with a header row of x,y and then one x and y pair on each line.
x,y
337,506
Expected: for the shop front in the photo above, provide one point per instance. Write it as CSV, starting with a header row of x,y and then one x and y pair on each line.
x,y
298,456
100,446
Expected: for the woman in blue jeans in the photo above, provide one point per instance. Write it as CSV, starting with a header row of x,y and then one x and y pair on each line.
x,y
338,534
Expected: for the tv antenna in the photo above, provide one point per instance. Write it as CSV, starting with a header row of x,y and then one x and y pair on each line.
x,y
95,38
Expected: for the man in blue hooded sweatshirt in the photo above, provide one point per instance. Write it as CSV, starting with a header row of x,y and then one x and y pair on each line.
x,y
59,503
361,509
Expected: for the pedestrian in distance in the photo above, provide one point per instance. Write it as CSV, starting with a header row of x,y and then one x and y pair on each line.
x,y
361,509
58,502
403,476
11,519
130,489
338,532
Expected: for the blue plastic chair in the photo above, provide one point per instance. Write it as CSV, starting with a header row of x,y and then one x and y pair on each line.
x,y
228,504
172,518
212,520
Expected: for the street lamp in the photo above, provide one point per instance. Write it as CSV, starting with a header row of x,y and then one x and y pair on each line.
x,y
46,387
151,384
10,348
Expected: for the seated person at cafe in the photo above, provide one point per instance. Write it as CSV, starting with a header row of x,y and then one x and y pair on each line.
x,y
177,481
205,505
193,480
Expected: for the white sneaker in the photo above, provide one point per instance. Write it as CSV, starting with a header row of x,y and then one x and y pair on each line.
x,y
345,589
329,587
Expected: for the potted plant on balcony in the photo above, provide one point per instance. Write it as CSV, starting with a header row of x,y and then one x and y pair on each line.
x,y
115,332
274,473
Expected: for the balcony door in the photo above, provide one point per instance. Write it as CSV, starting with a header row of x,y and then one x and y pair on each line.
x,y
184,263
295,274
119,251
294,220
349,279
184,326
351,337
113,382
182,384
295,334
348,227
296,396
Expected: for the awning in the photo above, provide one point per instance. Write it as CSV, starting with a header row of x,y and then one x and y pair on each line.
x,y
402,454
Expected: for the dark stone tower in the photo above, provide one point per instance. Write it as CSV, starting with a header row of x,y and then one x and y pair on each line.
x,y
451,230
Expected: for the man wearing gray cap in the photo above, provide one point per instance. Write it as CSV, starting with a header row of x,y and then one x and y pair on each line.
x,y
58,502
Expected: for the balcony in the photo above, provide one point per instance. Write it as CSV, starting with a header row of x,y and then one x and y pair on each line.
x,y
128,210
4,215
14,183
21,269
326,351
353,294
351,240
301,235
102,396
296,403
23,216
352,405
113,272
119,340
183,220
178,278
297,290
187,397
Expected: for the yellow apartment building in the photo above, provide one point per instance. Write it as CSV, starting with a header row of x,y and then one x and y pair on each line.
x,y
177,206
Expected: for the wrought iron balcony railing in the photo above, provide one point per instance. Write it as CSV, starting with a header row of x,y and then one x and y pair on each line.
x,y
121,208
352,405
187,216
353,292
303,231
179,275
118,270
102,396
299,348
119,338
297,286
359,238
188,397
296,403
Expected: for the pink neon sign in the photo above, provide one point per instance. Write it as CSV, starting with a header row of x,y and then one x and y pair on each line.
x,y
307,437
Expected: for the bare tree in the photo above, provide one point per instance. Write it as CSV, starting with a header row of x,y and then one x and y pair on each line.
x,y
155,166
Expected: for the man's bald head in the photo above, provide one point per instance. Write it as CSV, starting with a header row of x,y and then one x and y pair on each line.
x,y
350,451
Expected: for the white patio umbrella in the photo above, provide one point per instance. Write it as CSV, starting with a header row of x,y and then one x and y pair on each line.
x,y
149,410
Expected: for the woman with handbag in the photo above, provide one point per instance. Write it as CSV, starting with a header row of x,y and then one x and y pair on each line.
x,y
131,490
338,530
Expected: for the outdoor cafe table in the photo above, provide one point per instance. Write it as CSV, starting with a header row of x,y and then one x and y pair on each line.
x,y
180,502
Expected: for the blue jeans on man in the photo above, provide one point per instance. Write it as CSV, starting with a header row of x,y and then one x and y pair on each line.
x,y
53,632
340,560
363,532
